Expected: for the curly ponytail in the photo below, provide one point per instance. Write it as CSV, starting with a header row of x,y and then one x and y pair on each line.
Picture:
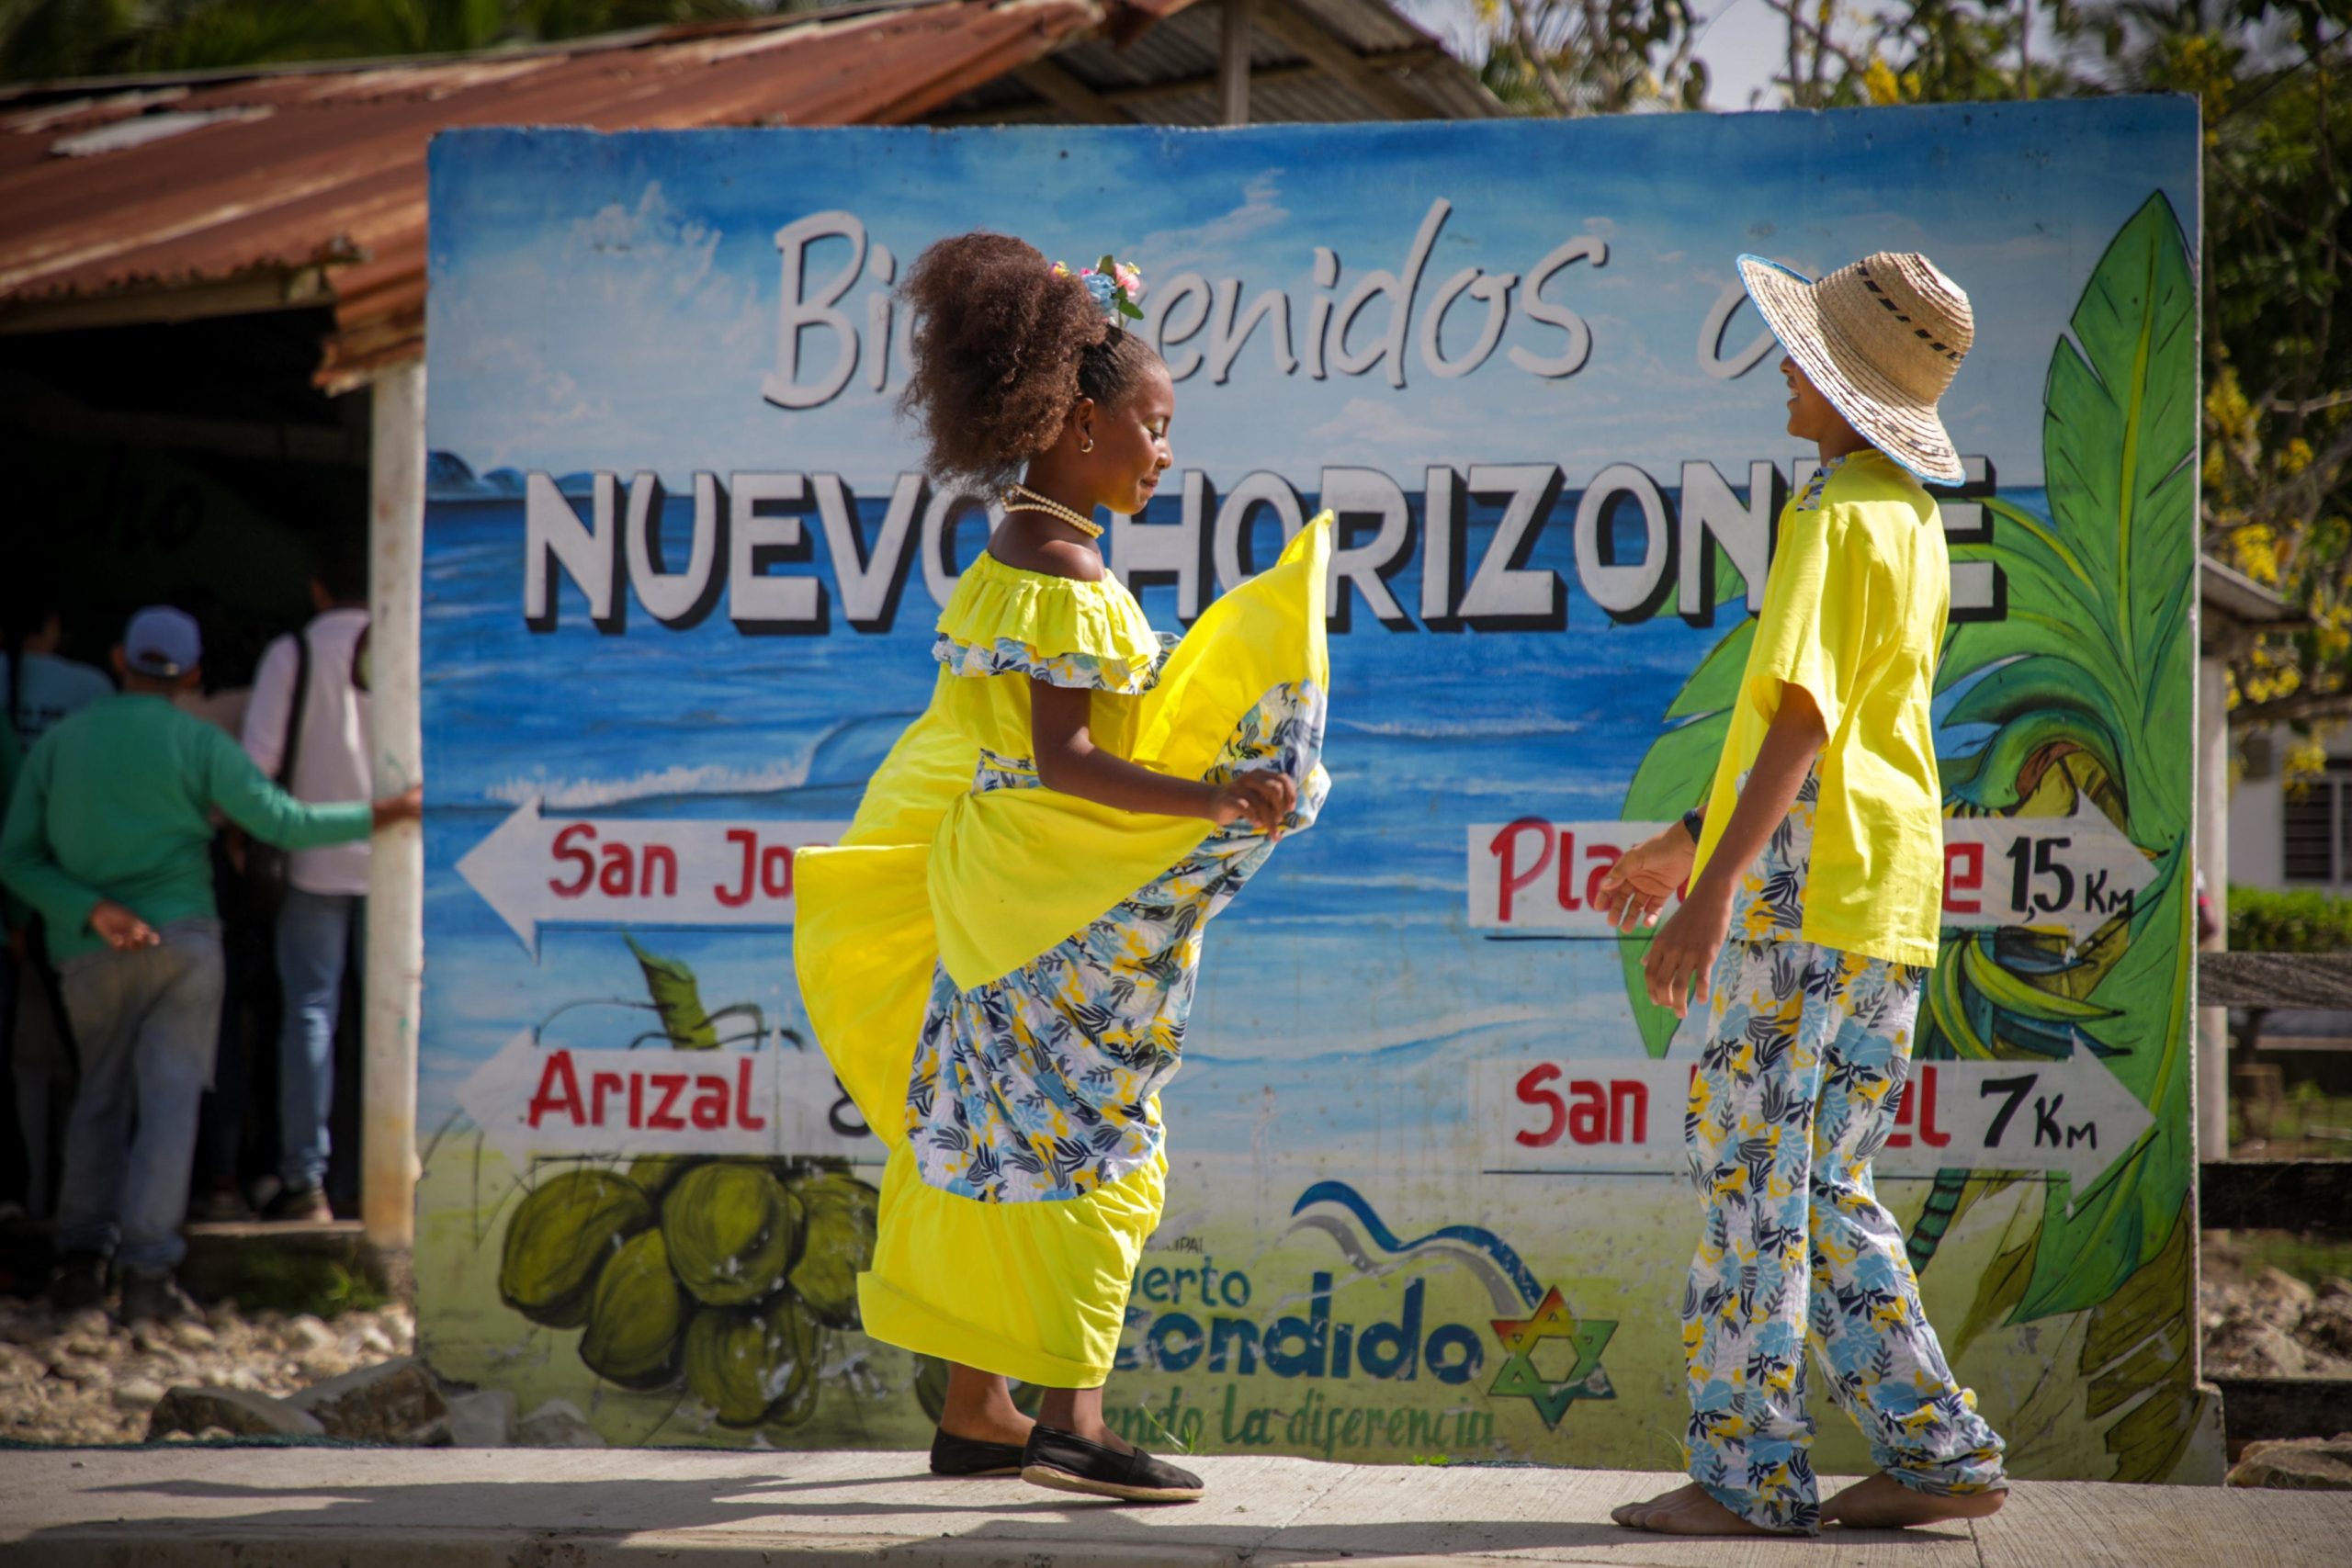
x,y
1002,347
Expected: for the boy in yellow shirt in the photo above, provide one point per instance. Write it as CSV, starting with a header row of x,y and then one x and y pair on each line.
x,y
1815,873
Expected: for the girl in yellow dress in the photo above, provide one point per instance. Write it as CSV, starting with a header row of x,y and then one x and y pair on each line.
x,y
1000,956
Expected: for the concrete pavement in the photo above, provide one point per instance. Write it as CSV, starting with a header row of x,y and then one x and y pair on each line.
x,y
186,1507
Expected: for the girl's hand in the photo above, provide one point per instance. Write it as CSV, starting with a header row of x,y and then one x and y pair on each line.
x,y
1263,796
1637,886
1682,955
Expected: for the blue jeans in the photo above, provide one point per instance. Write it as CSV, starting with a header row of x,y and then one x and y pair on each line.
x,y
314,940
146,1022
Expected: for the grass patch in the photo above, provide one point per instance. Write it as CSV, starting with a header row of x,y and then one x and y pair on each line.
x,y
2307,1123
292,1283
2308,1258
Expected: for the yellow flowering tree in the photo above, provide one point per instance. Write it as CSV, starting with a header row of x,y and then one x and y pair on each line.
x,y
2278,459
2272,80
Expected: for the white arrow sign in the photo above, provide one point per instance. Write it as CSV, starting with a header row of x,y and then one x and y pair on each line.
x,y
1612,1115
2069,873
2072,874
538,871
535,1100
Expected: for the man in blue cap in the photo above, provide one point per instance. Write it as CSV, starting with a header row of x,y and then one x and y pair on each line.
x,y
106,835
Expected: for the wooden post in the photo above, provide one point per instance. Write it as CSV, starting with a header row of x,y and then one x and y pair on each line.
x,y
2213,860
1233,66
396,861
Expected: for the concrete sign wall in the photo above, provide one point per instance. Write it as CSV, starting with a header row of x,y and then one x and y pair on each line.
x,y
681,576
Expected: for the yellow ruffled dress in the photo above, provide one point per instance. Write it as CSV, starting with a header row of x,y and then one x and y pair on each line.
x,y
999,974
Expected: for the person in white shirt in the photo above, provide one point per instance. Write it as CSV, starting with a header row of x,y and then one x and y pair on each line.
x,y
321,754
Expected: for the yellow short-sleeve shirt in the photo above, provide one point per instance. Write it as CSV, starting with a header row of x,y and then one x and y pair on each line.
x,y
1854,610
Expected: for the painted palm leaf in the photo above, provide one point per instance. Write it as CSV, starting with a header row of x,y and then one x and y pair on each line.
x,y
687,1024
2090,668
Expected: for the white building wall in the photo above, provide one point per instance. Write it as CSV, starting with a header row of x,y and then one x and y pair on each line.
x,y
2257,813
2255,833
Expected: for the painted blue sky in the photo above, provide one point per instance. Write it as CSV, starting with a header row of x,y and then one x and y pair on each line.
x,y
611,301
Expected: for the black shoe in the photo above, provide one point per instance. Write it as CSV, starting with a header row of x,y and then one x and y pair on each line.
x,y
964,1457
221,1205
300,1205
153,1297
79,1283
1068,1462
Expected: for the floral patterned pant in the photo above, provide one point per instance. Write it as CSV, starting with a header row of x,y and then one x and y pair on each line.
x,y
1800,1074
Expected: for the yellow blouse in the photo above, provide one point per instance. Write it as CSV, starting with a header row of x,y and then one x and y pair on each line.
x,y
1005,627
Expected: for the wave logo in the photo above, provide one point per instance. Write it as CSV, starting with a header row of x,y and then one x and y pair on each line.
x,y
1551,1357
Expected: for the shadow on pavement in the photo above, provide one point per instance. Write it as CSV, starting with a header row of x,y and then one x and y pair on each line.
x,y
753,1512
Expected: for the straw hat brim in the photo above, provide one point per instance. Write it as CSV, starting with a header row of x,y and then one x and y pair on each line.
x,y
1893,421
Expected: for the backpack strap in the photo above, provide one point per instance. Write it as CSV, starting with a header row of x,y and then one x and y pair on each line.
x,y
294,715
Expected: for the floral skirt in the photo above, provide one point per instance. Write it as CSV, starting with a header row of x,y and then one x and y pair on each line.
x,y
1014,1213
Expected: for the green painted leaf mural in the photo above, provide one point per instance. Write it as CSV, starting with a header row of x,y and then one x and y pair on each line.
x,y
2093,670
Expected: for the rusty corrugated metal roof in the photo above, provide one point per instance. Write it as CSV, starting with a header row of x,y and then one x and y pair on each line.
x,y
1170,77
316,176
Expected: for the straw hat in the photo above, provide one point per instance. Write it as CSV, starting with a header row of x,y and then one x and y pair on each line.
x,y
1881,339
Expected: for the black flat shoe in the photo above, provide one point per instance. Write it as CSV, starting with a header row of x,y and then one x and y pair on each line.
x,y
1068,1462
966,1457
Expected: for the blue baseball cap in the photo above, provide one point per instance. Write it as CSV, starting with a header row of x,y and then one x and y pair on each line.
x,y
162,642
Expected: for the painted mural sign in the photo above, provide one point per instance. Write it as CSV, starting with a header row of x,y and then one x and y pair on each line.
x,y
681,576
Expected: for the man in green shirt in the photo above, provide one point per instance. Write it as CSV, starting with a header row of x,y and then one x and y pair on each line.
x,y
106,836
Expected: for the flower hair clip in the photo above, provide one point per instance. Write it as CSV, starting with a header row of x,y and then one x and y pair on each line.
x,y
1117,288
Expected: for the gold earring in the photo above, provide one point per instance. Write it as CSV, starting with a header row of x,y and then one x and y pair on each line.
x,y
1086,443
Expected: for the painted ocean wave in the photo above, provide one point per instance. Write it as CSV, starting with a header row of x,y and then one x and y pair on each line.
x,y
846,754
1499,728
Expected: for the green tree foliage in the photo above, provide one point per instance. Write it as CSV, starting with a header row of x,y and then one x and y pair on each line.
x,y
2271,78
47,39
1573,57
2278,471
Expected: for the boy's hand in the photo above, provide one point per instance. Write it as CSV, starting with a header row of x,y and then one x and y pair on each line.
x,y
1682,955
1641,882
122,930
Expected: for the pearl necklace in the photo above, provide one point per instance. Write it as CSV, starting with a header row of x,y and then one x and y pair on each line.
x,y
1021,498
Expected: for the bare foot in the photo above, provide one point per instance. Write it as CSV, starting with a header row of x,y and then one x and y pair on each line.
x,y
988,1426
1686,1510
979,1408
1630,1514
1882,1503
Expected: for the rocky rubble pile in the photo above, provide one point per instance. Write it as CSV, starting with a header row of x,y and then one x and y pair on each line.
x,y
2307,1464
86,1379
2275,1326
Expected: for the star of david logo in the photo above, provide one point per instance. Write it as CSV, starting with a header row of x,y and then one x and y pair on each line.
x,y
1519,1377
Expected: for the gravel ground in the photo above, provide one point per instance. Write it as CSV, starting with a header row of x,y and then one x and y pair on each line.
x,y
88,1380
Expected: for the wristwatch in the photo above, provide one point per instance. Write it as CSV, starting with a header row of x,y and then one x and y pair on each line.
x,y
1692,820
